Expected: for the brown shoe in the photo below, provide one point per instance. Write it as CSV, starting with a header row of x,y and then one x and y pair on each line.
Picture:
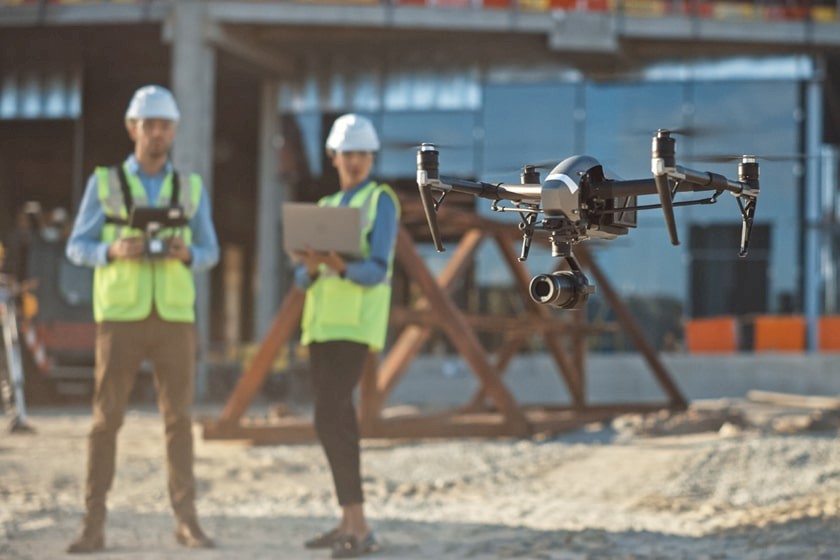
x,y
189,534
87,542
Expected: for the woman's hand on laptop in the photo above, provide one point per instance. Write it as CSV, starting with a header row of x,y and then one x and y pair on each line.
x,y
335,262
313,259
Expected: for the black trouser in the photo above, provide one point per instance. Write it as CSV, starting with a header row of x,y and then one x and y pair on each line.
x,y
337,367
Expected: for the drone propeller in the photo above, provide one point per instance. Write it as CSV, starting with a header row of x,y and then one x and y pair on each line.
x,y
697,131
410,145
692,131
728,158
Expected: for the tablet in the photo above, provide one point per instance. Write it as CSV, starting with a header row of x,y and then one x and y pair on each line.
x,y
322,228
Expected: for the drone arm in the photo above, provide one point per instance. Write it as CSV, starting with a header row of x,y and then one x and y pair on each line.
x,y
516,193
692,180
429,180
746,189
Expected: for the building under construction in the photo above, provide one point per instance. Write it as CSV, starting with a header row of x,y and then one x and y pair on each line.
x,y
496,83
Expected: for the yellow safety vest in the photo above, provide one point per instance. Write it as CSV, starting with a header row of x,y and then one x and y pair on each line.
x,y
340,309
123,290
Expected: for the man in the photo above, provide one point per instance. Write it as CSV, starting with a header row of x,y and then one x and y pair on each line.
x,y
143,304
345,316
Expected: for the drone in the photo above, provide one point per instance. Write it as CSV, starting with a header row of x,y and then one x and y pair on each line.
x,y
580,200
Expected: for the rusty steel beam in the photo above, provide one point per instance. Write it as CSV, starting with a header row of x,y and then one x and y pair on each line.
x,y
625,318
543,420
285,322
572,375
513,342
413,337
436,309
462,337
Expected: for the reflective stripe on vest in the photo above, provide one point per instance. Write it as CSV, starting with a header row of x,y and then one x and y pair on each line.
x,y
340,309
124,290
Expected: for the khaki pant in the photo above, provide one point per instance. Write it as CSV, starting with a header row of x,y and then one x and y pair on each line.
x,y
121,347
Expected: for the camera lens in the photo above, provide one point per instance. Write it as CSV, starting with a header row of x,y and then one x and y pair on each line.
x,y
564,289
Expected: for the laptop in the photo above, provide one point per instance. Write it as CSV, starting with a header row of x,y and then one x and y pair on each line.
x,y
322,228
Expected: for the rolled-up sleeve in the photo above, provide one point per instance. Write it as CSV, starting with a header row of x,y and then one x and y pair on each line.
x,y
372,271
204,246
302,279
85,246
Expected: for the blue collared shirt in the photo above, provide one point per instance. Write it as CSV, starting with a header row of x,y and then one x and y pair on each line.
x,y
383,235
86,248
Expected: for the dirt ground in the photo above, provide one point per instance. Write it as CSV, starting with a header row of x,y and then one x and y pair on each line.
x,y
737,490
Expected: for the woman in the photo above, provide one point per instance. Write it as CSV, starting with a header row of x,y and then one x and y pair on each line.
x,y
345,316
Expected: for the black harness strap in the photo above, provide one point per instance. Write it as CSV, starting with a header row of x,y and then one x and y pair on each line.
x,y
128,199
175,199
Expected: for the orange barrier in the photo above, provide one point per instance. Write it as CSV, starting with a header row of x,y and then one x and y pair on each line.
x,y
718,335
779,333
829,339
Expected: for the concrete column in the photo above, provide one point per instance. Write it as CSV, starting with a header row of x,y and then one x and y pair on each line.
x,y
812,273
271,262
193,83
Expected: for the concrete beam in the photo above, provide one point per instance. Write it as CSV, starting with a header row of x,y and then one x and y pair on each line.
x,y
83,14
584,32
407,17
569,31
266,13
233,43
473,20
733,32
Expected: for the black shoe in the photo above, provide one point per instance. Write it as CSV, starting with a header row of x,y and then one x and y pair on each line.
x,y
87,542
348,546
189,534
324,540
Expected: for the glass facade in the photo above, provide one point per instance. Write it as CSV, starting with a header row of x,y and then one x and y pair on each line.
x,y
544,120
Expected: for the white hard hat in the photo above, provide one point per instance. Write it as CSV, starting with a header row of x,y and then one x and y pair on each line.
x,y
352,133
153,102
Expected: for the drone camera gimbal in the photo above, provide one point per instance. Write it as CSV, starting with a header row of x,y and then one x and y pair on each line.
x,y
580,200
